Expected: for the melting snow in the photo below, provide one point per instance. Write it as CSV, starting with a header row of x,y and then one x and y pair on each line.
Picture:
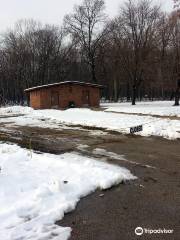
x,y
38,189
164,127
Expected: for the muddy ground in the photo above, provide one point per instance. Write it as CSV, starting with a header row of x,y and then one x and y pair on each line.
x,y
152,201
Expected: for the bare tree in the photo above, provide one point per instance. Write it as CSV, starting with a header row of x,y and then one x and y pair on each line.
x,y
32,55
176,4
85,25
135,55
137,23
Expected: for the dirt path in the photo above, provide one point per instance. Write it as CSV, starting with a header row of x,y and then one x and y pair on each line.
x,y
152,201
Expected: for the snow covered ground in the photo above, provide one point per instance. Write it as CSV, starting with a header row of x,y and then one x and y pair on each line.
x,y
160,108
14,110
164,127
37,189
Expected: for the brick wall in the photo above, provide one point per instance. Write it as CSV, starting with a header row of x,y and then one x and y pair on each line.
x,y
35,101
46,98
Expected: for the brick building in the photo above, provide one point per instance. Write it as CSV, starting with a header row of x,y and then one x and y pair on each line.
x,y
63,95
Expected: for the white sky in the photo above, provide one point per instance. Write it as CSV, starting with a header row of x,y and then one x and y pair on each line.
x,y
50,11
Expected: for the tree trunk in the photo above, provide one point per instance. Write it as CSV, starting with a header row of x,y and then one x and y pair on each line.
x,y
177,93
93,72
134,95
115,91
177,96
127,92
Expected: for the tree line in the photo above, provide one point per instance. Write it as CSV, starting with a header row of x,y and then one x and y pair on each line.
x,y
135,55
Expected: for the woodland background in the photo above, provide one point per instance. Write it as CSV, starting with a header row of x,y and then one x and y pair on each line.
x,y
136,55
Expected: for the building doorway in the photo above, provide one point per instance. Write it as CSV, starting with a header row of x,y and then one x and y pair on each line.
x,y
55,100
85,98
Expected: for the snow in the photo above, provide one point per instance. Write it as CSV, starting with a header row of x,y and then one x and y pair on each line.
x,y
14,110
159,108
114,156
103,152
38,189
152,126
82,147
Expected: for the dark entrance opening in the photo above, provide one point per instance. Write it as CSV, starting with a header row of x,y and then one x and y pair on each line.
x,y
71,104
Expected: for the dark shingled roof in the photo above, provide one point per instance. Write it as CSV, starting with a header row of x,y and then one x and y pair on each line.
x,y
63,83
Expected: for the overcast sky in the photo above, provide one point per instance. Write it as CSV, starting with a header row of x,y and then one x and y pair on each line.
x,y
50,11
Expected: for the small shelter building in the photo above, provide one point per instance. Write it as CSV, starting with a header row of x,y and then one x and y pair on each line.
x,y
64,95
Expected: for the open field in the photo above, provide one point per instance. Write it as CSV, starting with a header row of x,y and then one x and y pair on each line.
x,y
156,108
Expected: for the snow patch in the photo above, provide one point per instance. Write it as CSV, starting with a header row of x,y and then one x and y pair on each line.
x,y
38,189
14,110
103,152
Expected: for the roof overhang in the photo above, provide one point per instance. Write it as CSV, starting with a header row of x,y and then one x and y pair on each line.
x,y
63,83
